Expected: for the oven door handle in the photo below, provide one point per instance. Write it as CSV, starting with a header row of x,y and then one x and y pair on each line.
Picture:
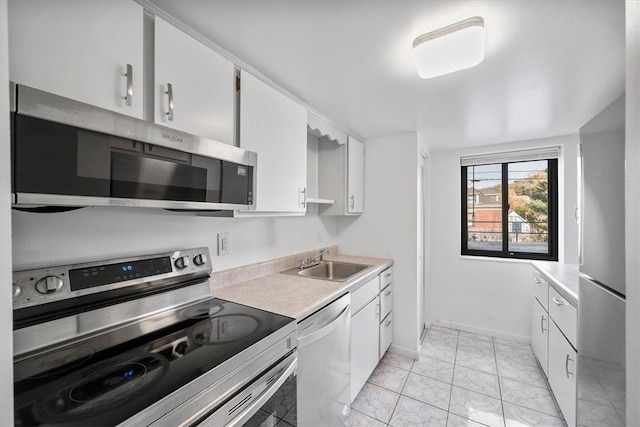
x,y
266,394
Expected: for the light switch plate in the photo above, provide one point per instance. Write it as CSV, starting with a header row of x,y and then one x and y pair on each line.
x,y
224,244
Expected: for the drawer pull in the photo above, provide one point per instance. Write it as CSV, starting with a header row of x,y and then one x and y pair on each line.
x,y
542,319
558,302
387,323
566,366
535,279
387,293
387,275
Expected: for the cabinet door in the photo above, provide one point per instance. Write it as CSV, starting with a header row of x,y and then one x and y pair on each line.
x,y
562,373
355,176
79,50
275,127
202,85
364,346
540,334
386,334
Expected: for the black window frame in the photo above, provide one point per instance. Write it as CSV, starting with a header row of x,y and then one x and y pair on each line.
x,y
552,255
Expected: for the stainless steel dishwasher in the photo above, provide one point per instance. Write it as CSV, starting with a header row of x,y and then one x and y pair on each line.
x,y
324,365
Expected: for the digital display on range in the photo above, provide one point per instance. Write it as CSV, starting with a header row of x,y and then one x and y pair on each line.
x,y
88,277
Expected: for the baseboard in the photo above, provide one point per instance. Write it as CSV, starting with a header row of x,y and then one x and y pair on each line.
x,y
468,328
404,351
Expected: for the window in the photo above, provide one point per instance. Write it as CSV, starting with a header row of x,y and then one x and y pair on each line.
x,y
510,204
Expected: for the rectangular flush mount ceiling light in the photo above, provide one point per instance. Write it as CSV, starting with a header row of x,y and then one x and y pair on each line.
x,y
452,48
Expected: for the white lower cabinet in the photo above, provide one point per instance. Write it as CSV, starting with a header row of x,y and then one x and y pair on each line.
x,y
364,345
540,334
371,327
562,373
553,338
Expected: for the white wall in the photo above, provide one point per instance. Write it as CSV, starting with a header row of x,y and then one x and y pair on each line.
x,y
99,233
633,210
6,320
483,294
388,228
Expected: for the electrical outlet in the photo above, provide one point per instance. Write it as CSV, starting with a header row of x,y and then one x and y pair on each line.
x,y
319,236
224,244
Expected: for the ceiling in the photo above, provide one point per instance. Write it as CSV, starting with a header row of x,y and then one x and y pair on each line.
x,y
549,65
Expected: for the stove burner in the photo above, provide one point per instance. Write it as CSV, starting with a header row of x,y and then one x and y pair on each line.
x,y
63,361
99,388
224,329
203,310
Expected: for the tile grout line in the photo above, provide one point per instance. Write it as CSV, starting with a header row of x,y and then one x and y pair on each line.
x,y
455,359
495,358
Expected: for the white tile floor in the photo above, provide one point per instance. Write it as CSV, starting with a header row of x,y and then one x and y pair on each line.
x,y
461,379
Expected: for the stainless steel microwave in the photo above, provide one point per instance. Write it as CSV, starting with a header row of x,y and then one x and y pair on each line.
x,y
67,153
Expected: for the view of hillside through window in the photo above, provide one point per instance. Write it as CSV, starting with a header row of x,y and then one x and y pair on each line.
x,y
527,210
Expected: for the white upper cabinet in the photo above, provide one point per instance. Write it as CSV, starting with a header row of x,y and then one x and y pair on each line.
x,y
194,87
341,176
355,176
88,51
275,127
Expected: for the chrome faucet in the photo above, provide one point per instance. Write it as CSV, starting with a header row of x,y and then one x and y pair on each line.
x,y
318,258
311,262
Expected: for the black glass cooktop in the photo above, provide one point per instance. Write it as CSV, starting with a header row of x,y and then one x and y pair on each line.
x,y
78,386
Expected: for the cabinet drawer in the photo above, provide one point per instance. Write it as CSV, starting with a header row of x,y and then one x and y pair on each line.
x,y
540,289
386,301
386,277
364,294
564,314
386,334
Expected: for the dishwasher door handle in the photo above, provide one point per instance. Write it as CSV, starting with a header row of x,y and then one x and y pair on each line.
x,y
325,330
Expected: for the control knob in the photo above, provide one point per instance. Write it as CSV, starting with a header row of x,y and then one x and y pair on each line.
x,y
49,285
17,290
182,347
182,262
200,259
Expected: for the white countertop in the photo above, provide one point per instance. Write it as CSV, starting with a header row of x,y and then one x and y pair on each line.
x,y
298,297
562,277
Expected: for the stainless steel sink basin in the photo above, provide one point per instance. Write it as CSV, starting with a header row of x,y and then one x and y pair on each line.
x,y
329,270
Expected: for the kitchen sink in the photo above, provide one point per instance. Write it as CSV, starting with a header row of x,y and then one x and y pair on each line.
x,y
329,270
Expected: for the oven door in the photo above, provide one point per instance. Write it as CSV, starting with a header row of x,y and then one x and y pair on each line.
x,y
265,401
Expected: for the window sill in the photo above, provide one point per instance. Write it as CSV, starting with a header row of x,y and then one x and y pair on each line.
x,y
498,259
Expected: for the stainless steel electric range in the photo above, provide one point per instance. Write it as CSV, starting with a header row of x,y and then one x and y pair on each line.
x,y
140,341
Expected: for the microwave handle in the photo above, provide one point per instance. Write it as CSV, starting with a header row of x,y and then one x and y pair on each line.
x,y
169,93
129,74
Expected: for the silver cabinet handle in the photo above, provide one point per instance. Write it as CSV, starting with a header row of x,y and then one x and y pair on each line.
x,y
353,201
303,199
387,293
169,93
129,74
542,319
387,323
557,301
387,275
535,279
566,366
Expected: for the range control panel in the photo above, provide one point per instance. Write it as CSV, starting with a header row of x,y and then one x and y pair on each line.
x,y
45,285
